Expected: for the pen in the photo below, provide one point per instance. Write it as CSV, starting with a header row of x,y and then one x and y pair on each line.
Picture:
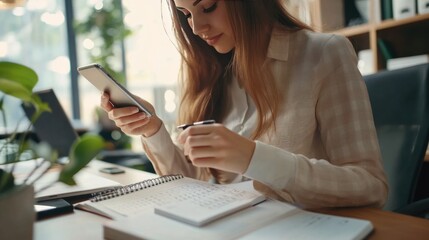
x,y
184,126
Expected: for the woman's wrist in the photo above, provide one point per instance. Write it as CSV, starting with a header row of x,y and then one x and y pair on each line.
x,y
153,126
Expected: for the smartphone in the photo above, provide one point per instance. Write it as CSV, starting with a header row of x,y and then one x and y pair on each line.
x,y
103,81
112,170
52,207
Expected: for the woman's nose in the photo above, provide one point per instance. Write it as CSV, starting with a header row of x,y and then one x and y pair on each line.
x,y
199,25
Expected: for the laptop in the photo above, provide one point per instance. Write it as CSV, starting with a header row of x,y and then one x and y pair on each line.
x,y
53,127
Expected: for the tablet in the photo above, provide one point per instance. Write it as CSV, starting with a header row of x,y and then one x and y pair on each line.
x,y
103,81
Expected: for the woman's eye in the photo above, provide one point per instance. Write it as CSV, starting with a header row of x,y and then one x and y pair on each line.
x,y
211,8
205,10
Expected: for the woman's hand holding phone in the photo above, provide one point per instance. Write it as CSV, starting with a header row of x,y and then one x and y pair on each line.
x,y
130,120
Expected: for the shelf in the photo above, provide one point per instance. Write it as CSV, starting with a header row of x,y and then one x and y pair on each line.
x,y
404,37
391,23
354,31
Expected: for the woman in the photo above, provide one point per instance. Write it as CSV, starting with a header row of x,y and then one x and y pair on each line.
x,y
291,107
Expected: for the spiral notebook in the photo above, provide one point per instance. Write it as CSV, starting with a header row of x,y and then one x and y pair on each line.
x,y
174,196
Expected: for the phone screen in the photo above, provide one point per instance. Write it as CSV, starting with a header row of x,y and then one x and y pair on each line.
x,y
112,170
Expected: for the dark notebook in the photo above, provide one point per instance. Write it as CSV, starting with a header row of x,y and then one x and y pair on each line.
x,y
53,127
52,208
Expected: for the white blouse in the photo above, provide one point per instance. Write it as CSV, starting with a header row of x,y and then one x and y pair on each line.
x,y
324,152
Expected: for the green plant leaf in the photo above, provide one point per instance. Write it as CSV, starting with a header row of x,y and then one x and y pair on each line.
x,y
39,106
23,75
82,152
17,80
15,89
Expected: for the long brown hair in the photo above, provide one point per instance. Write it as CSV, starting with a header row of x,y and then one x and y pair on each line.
x,y
205,72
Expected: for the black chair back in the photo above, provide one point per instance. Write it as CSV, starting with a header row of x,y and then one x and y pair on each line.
x,y
399,100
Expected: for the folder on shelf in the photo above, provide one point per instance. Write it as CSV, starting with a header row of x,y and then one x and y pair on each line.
x,y
385,49
377,10
387,9
403,9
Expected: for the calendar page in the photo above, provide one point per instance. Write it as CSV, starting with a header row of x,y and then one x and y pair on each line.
x,y
184,199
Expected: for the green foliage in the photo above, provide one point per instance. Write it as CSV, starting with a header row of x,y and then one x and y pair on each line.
x,y
106,29
18,81
106,25
81,153
20,74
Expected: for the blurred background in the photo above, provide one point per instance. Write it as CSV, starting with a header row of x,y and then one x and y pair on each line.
x,y
131,39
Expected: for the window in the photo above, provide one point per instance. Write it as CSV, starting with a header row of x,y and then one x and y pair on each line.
x,y
151,59
35,35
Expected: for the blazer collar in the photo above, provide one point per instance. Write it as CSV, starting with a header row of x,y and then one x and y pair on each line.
x,y
278,47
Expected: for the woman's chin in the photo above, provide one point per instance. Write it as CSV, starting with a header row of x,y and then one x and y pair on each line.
x,y
222,50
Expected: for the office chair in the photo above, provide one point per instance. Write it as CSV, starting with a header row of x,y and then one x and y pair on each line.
x,y
400,105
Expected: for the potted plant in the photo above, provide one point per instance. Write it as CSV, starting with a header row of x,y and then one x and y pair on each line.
x,y
17,199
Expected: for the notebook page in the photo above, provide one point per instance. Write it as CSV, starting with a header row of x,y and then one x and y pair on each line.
x,y
208,196
153,226
269,220
218,201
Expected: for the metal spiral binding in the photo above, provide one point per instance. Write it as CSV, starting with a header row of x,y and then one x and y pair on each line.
x,y
119,191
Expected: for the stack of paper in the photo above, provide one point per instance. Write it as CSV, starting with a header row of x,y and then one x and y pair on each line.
x,y
268,220
397,63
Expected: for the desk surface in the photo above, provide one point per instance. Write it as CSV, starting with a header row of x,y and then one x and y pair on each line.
x,y
83,225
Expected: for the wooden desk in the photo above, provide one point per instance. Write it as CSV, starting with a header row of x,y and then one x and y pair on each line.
x,y
387,225
83,225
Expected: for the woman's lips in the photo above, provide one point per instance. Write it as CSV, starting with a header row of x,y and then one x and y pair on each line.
x,y
213,40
